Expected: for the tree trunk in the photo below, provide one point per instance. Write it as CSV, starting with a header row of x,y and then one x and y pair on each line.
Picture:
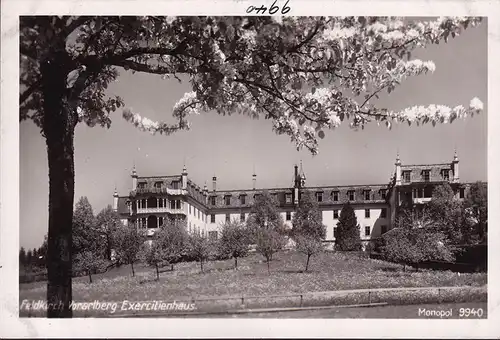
x,y
157,272
133,272
90,276
235,263
201,264
268,269
307,263
58,124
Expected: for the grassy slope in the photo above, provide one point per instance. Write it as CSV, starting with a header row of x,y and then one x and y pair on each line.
x,y
328,271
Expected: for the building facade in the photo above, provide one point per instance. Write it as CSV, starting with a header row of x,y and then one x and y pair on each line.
x,y
154,199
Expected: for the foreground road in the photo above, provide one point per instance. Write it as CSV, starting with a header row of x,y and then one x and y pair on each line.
x,y
471,310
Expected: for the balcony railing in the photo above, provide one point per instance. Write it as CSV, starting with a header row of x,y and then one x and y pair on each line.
x,y
421,200
160,210
168,191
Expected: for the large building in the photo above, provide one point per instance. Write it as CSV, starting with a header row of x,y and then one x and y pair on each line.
x,y
154,199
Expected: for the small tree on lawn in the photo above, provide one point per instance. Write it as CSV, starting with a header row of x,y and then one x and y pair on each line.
x,y
154,255
446,210
264,214
269,241
347,238
234,240
85,235
200,248
308,229
88,262
129,243
108,222
174,240
309,246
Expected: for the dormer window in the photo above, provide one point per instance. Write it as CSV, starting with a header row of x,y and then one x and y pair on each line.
x,y
335,195
367,195
158,185
406,176
446,174
319,196
227,200
288,198
351,195
383,193
426,175
243,199
175,185
142,185
212,200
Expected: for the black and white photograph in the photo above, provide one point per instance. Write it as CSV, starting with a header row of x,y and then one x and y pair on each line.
x,y
264,166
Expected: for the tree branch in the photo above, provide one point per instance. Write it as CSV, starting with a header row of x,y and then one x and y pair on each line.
x,y
26,94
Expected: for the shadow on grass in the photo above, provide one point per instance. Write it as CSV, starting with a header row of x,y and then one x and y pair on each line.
x,y
390,269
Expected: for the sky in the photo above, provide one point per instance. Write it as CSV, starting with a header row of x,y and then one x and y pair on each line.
x,y
232,147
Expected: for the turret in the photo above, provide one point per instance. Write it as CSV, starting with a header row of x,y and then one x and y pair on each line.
x,y
115,201
254,181
398,170
214,183
184,178
134,179
454,166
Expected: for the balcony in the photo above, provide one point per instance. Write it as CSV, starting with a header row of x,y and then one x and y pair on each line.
x,y
421,200
160,210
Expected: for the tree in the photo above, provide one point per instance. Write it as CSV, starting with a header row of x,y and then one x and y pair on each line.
x,y
447,212
88,262
108,222
347,238
129,243
174,240
200,248
295,71
22,257
309,246
307,220
416,240
85,235
476,211
264,214
234,240
29,258
269,241
154,255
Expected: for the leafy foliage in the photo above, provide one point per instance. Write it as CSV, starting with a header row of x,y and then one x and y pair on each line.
x,y
234,240
85,233
347,238
476,211
309,246
88,262
264,214
307,220
108,222
174,240
269,241
200,248
129,243
446,210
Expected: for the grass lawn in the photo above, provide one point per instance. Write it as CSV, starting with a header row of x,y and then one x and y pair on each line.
x,y
328,271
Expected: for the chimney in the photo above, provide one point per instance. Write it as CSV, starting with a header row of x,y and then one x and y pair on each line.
x,y
296,176
214,183
254,181
134,179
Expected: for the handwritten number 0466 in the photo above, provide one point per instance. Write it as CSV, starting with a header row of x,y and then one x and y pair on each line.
x,y
272,10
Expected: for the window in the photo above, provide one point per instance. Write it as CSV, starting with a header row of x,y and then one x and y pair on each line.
x,y
446,174
242,217
383,193
288,198
212,200
212,218
212,235
227,200
172,204
319,196
335,195
426,175
175,185
383,213
335,233
462,192
288,215
351,195
367,230
383,229
243,199
228,218
406,176
158,185
190,209
275,197
335,214
178,204
160,221
367,195
367,213
142,185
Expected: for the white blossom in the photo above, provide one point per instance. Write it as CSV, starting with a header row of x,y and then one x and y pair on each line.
x,y
476,104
